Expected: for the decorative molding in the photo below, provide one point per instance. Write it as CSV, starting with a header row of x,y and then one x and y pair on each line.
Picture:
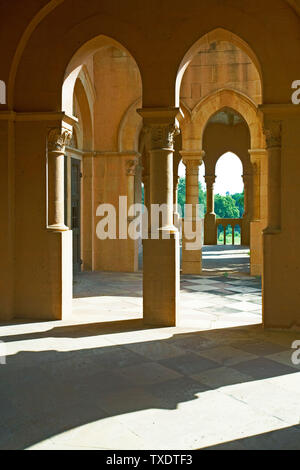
x,y
279,110
161,135
112,153
38,116
192,160
58,139
210,180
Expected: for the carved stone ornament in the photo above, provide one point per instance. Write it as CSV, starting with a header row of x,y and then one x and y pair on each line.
x,y
210,180
131,167
273,133
58,139
162,136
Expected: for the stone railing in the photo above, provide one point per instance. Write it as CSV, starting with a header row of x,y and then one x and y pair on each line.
x,y
233,223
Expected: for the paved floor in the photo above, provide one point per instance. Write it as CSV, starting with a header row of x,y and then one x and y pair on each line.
x,y
218,380
226,258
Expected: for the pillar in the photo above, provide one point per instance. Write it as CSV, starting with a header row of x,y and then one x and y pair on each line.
x,y
43,244
176,213
132,245
210,228
130,173
7,210
88,212
57,141
192,258
245,222
257,157
161,251
273,245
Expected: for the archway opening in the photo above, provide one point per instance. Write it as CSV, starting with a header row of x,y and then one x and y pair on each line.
x,y
219,87
103,178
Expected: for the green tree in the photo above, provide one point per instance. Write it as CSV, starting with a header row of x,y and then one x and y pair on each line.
x,y
225,207
182,195
239,202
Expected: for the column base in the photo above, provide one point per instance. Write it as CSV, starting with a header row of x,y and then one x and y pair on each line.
x,y
58,228
192,262
161,281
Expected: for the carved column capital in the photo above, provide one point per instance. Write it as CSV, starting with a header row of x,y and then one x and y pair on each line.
x,y
161,136
192,160
131,166
210,180
58,139
273,133
160,127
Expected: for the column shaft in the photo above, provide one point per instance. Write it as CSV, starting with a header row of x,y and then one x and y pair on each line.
x,y
161,254
57,140
192,258
210,227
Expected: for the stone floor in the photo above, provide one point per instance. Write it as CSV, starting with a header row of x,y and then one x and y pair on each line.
x,y
102,380
226,259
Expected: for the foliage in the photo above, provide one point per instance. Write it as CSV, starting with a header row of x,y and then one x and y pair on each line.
x,y
181,195
226,207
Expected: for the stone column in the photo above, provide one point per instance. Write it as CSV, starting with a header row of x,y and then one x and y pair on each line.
x,y
88,212
131,246
210,228
57,141
192,259
256,156
131,166
176,213
245,222
272,132
280,247
161,252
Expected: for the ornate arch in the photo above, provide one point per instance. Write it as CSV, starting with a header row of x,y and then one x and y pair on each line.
x,y
193,126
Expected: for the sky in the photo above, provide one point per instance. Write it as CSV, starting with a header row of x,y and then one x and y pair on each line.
x,y
229,171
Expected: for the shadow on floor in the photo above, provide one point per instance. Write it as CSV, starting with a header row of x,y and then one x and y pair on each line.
x,y
283,439
44,393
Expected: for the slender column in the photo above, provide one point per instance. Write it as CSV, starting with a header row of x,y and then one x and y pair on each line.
x,y
255,156
247,180
161,252
57,141
192,259
272,132
131,166
88,212
210,229
245,223
256,226
210,201
175,198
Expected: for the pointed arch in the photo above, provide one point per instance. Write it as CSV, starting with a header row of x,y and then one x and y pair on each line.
x,y
194,127
218,34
